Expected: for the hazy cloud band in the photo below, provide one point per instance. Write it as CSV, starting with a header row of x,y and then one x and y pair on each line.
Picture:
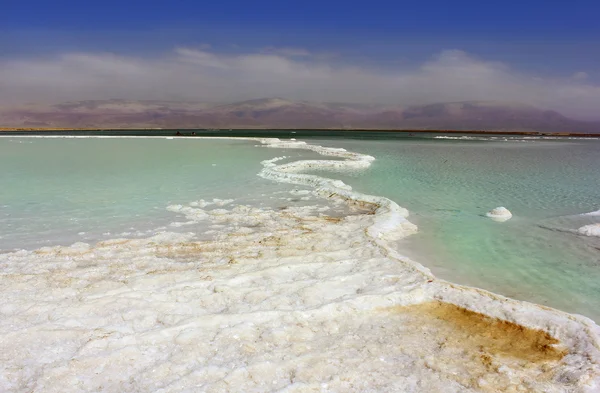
x,y
204,75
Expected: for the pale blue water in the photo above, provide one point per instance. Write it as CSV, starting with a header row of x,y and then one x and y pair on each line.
x,y
59,191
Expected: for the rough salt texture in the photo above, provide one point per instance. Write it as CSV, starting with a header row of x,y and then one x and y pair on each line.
x,y
499,214
278,300
590,230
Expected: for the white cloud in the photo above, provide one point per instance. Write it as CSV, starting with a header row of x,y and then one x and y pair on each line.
x,y
201,74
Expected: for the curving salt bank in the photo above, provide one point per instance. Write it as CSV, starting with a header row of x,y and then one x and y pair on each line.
x,y
390,219
390,222
278,300
590,230
499,214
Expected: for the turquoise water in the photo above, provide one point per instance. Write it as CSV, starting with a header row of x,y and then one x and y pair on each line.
x,y
449,185
59,191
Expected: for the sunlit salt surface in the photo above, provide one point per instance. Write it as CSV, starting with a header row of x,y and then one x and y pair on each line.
x,y
590,230
499,214
293,283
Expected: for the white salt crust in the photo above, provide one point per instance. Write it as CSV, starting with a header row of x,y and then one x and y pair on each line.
x,y
590,230
499,214
284,300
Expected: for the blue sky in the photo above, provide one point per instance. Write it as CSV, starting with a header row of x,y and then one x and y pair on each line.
x,y
558,42
527,32
435,17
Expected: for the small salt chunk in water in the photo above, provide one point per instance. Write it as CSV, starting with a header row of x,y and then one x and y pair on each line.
x,y
499,214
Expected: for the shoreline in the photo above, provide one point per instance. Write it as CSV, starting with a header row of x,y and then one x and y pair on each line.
x,y
572,332
34,130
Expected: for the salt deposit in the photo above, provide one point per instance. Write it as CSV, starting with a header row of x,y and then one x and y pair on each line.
x,y
594,213
499,214
590,230
285,299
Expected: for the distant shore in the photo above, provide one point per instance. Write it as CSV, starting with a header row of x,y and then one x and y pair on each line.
x,y
186,131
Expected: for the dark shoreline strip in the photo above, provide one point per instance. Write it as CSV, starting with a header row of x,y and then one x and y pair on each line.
x,y
287,133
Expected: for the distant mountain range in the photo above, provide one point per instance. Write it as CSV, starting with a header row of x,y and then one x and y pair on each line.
x,y
277,113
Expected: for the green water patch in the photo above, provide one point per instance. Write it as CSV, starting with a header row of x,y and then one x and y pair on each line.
x,y
62,190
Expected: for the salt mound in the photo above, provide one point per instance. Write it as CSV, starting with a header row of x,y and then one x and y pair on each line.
x,y
590,230
499,214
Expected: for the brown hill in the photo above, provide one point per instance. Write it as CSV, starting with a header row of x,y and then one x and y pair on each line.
x,y
281,113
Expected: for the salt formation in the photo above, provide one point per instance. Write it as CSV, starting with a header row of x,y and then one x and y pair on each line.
x,y
594,213
279,300
499,214
590,230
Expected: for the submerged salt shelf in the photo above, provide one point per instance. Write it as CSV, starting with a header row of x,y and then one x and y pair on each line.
x,y
293,298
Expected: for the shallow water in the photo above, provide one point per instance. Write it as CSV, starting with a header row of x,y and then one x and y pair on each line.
x,y
59,191
448,186
293,283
